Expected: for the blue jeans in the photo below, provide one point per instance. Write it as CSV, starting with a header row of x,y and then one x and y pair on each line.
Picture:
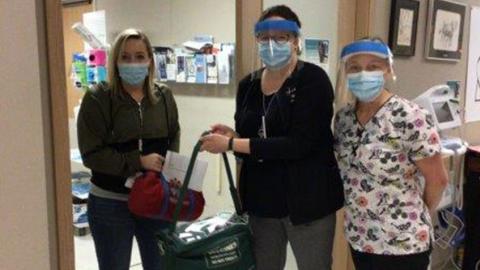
x,y
113,227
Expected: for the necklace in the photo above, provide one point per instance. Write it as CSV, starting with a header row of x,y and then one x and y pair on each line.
x,y
267,108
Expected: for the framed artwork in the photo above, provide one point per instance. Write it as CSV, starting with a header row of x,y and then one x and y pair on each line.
x,y
472,93
317,51
445,25
73,2
403,27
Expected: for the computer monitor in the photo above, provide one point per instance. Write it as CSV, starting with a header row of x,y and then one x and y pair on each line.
x,y
443,112
440,102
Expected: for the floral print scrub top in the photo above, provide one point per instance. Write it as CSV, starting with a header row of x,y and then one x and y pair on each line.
x,y
384,210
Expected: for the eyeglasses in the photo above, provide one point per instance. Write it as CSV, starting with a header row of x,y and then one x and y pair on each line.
x,y
279,38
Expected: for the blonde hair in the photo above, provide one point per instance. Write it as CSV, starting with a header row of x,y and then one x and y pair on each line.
x,y
117,48
343,96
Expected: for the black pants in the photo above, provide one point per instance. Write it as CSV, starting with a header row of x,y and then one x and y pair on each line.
x,y
368,261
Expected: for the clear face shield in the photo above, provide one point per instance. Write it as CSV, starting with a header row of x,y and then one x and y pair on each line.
x,y
349,69
273,44
366,47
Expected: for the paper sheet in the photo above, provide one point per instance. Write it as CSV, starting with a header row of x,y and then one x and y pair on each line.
x,y
96,23
176,166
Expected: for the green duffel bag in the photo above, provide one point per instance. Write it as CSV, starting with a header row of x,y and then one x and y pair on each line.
x,y
220,242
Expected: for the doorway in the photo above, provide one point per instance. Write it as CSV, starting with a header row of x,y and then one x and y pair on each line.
x,y
246,13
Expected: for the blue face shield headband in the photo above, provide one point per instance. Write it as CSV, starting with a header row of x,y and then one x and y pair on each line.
x,y
275,55
277,25
367,47
366,86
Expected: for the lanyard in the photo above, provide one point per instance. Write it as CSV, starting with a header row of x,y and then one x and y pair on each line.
x,y
263,129
267,108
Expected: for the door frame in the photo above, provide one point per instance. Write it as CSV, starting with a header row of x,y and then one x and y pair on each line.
x,y
352,25
60,135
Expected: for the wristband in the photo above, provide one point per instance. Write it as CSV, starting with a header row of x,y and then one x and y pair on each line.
x,y
230,144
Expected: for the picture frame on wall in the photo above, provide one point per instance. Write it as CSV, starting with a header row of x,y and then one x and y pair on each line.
x,y
445,24
403,27
74,2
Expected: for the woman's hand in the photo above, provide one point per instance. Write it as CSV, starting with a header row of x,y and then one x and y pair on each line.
x,y
214,143
152,162
224,130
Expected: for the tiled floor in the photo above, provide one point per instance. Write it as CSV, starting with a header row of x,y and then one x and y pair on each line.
x,y
85,258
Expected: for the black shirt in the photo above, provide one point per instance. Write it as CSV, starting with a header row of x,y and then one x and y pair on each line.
x,y
265,180
292,172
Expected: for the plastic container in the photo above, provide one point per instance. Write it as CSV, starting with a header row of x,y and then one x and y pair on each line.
x,y
80,70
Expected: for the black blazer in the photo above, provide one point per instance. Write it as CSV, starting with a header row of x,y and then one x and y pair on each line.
x,y
306,100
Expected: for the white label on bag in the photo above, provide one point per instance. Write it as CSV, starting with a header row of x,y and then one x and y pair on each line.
x,y
130,180
228,253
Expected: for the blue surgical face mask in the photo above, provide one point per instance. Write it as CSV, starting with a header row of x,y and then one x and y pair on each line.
x,y
133,73
366,86
274,55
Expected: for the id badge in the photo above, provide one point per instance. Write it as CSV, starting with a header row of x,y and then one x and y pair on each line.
x,y
263,133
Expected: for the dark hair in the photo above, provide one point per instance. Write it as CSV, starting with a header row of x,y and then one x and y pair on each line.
x,y
280,11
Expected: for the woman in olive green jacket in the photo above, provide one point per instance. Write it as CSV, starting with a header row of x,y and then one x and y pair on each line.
x,y
125,127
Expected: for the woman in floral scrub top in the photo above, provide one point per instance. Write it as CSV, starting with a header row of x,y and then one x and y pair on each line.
x,y
386,146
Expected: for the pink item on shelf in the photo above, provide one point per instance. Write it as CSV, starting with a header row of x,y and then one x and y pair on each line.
x,y
97,57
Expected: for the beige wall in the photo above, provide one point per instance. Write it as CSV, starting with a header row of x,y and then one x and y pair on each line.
x,y
197,114
171,21
166,22
26,194
416,74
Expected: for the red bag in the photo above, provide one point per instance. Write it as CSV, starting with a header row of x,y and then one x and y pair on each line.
x,y
152,196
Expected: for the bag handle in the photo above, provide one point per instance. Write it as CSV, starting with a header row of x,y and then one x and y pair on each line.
x,y
186,181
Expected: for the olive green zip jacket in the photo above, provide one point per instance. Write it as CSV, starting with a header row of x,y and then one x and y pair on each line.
x,y
114,131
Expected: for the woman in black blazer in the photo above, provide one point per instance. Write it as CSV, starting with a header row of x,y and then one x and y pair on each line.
x,y
289,181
